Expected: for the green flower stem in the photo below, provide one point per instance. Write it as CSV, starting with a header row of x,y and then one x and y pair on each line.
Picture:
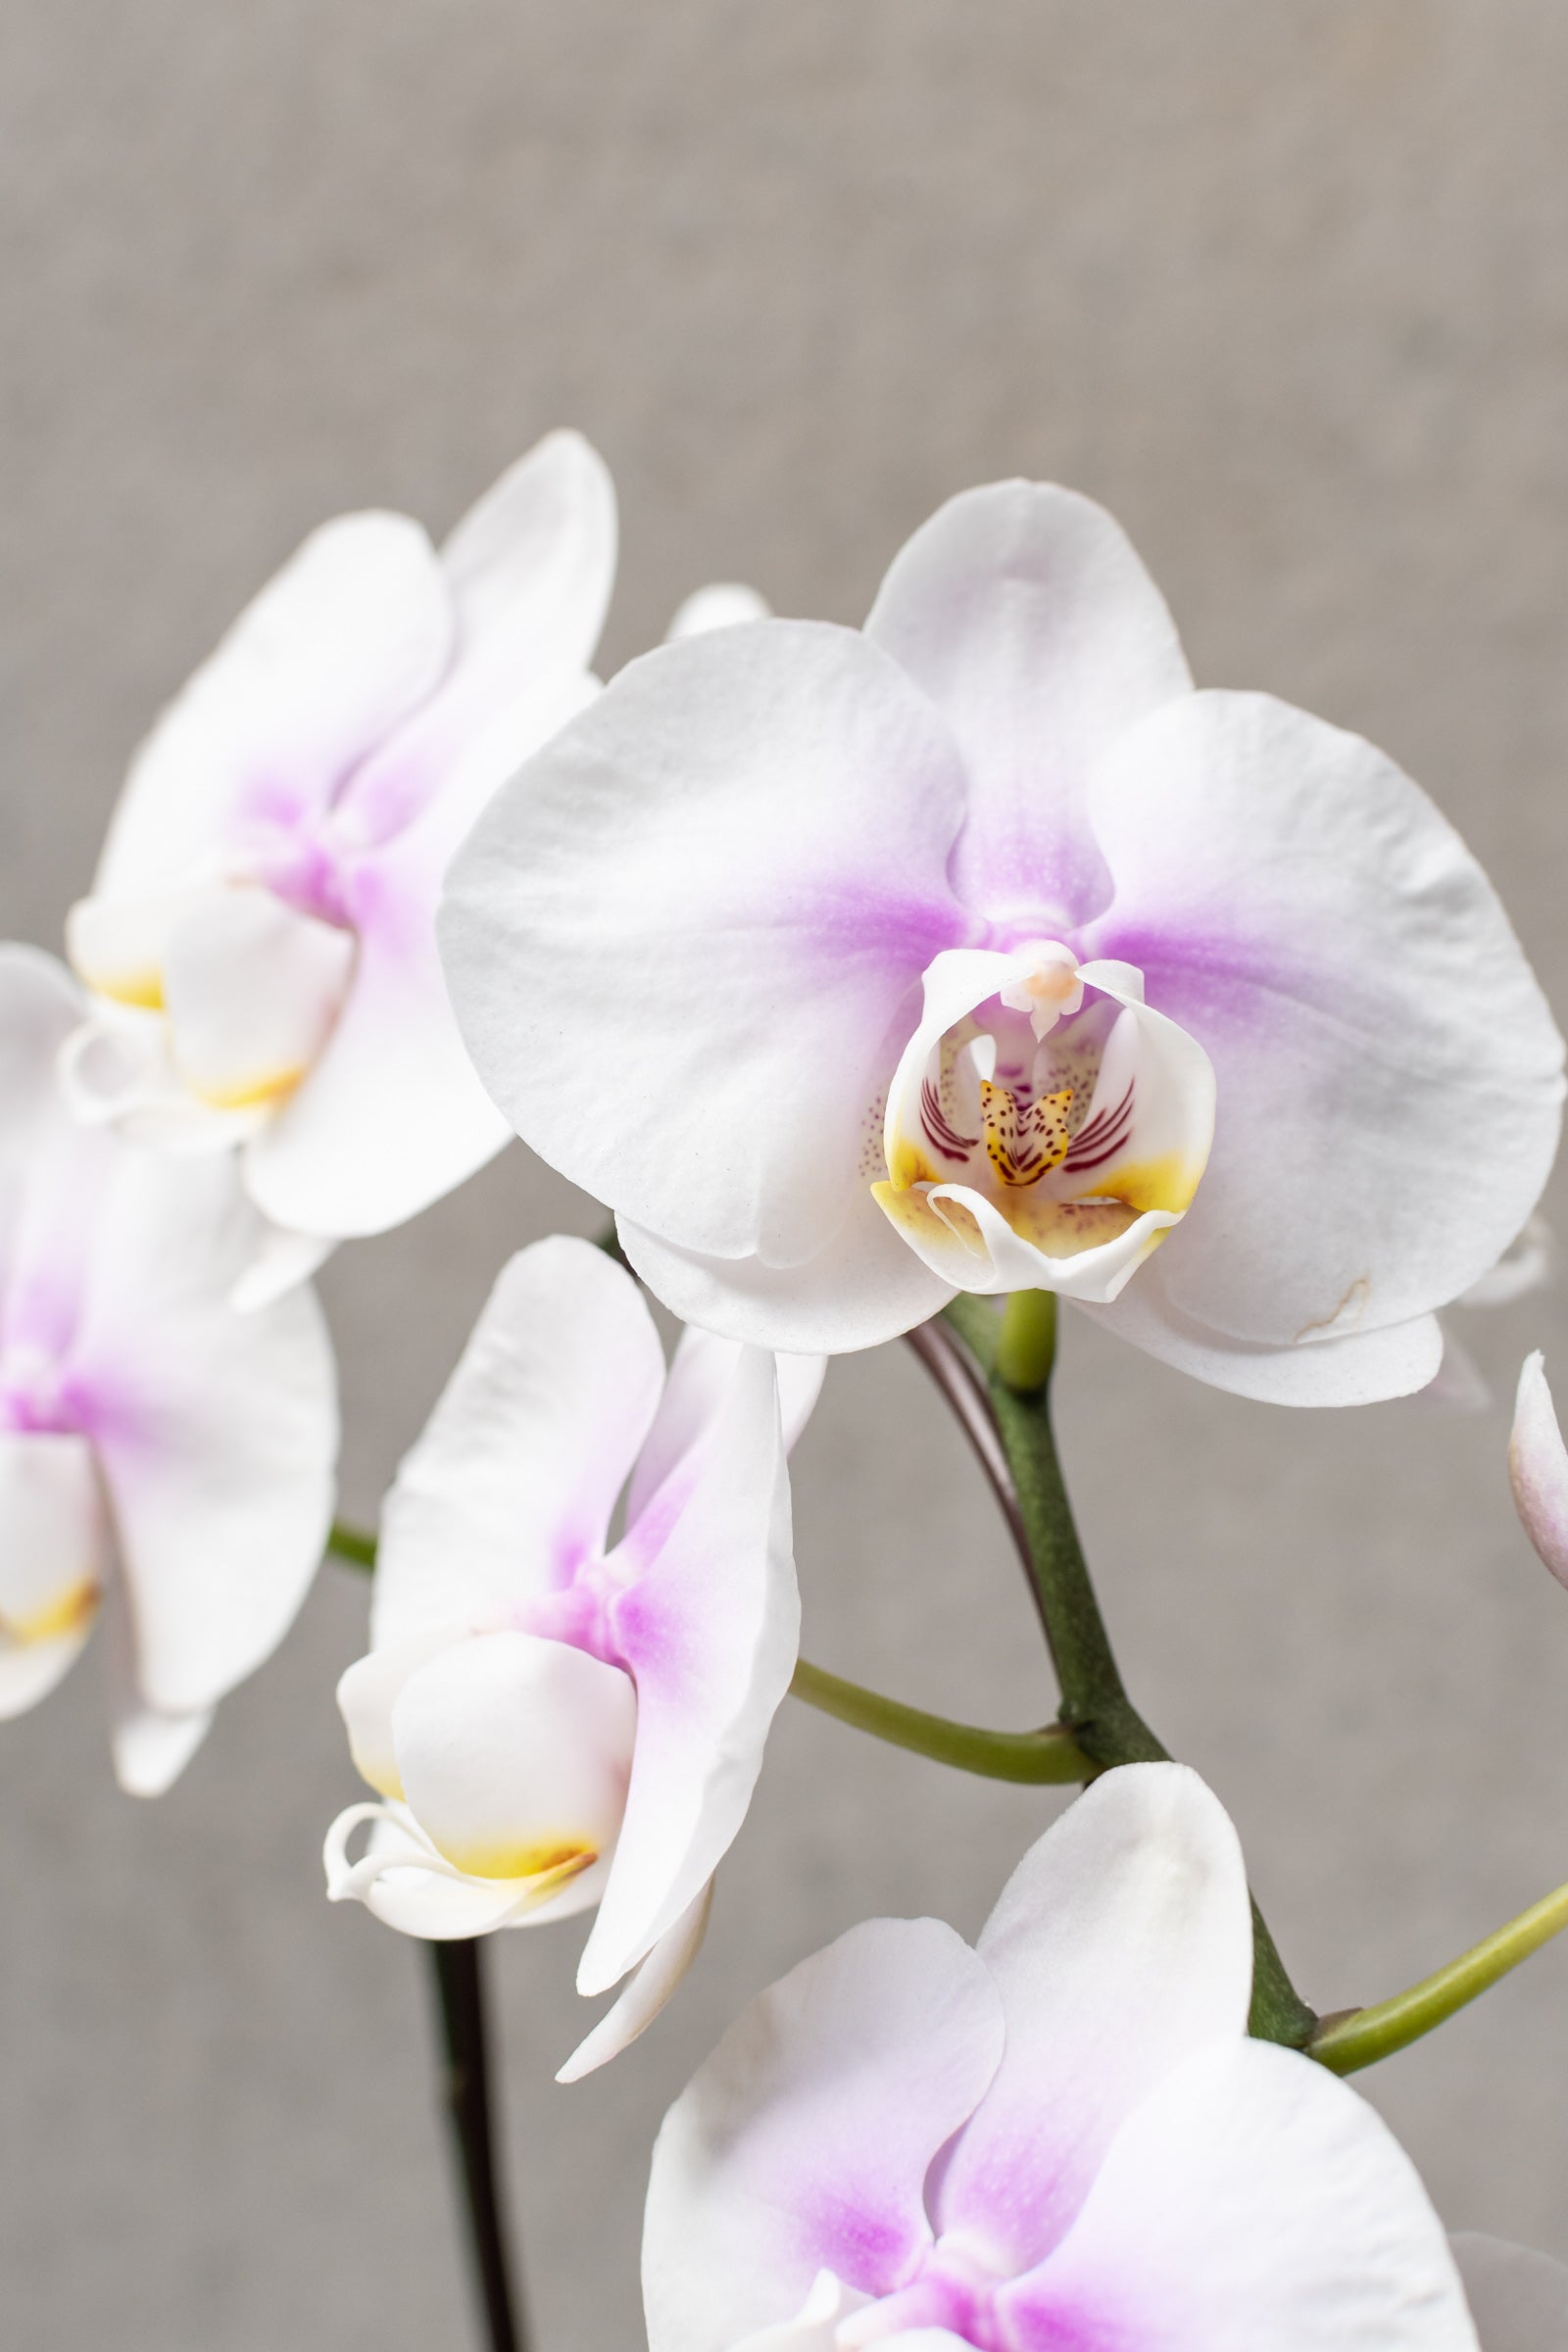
x,y
1051,1757
1095,1705
352,1545
1362,2036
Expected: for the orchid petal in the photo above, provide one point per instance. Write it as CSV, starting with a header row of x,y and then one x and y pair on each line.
x,y
281,1262
706,1619
370,1689
1518,2298
514,1478
411,1887
804,2141
117,1070
216,1432
723,604
1537,1468
696,1391
1024,613
513,1754
647,1991
392,1115
815,2326
1364,1368
1122,1941
864,1286
353,633
55,1552
731,979
530,569
1252,2200
252,987
1389,1075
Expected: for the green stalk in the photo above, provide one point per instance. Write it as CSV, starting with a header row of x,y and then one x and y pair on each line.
x,y
352,1545
1051,1757
1362,2036
1094,1705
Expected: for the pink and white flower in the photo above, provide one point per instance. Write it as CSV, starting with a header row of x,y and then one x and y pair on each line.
x,y
1059,2141
1537,1467
552,1721
166,1463
260,938
977,950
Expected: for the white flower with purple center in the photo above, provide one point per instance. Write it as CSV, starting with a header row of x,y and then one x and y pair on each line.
x,y
976,951
553,1720
260,938
1059,2141
166,1463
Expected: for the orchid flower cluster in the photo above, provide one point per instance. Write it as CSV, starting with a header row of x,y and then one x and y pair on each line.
x,y
894,981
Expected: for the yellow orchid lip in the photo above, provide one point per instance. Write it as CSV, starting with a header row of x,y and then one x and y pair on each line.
x,y
143,990
68,1614
555,1862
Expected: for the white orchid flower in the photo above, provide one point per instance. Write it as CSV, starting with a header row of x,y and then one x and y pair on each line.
x,y
259,936
1518,2298
1062,2137
165,1462
1537,1467
554,1721
978,950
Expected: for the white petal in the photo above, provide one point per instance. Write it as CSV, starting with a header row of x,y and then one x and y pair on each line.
x,y
707,1620
1254,2200
118,945
530,569
679,940
815,2327
648,1990
408,1886
867,1286
353,633
1537,1468
1024,613
1363,1369
724,604
1122,1941
282,1260
1518,2298
1389,1076
217,1433
30,1670
391,1115
513,1754
369,1691
55,1553
252,987
514,1481
803,2142
117,1070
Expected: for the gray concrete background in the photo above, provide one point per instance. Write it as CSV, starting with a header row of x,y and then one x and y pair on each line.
x,y
1286,287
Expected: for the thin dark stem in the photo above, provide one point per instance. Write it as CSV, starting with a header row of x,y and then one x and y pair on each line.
x,y
459,1990
964,1387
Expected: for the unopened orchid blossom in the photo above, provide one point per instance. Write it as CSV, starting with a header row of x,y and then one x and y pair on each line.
x,y
554,1722
977,950
1062,2140
1537,1467
166,1463
260,939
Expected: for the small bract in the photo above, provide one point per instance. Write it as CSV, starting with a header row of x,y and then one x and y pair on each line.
x,y
260,939
1060,2141
554,1721
977,950
166,1463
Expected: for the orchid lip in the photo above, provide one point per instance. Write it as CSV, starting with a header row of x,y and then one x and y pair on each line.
x,y
1045,1128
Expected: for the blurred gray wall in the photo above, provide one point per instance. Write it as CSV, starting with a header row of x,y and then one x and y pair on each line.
x,y
1286,286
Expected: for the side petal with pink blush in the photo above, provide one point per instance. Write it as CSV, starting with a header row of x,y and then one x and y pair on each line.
x,y
803,2142
511,1484
1389,1076
735,970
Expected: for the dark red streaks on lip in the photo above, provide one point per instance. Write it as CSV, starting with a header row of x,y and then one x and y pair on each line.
x,y
1102,1138
943,1137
